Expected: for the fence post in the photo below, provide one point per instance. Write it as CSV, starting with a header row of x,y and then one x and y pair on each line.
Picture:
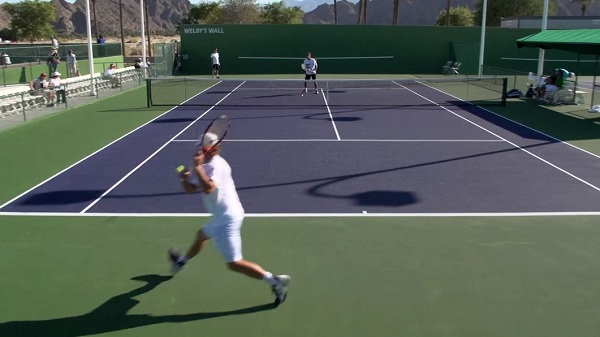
x,y
23,106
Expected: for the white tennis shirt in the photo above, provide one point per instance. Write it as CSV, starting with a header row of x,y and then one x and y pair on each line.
x,y
215,58
223,203
311,66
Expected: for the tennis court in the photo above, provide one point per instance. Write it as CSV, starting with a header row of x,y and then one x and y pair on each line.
x,y
398,206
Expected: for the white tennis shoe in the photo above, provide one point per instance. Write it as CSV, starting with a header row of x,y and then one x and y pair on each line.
x,y
281,288
176,264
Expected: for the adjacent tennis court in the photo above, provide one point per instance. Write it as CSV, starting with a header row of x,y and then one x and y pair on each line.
x,y
399,207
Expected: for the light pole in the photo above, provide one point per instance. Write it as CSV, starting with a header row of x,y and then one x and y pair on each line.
x,y
89,46
144,63
482,42
540,69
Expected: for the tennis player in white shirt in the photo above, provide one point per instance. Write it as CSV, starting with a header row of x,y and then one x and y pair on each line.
x,y
216,63
212,177
310,64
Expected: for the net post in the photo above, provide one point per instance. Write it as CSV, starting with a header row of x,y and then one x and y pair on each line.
x,y
504,90
148,93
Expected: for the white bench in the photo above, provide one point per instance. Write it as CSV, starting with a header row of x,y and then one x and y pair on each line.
x,y
16,98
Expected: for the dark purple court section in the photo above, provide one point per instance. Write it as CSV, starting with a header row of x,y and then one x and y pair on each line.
x,y
286,158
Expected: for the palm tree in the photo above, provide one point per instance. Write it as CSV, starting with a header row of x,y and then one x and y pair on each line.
x,y
335,11
584,4
147,28
395,14
121,20
362,11
95,22
448,13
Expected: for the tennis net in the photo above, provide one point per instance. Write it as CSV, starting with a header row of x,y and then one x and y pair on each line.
x,y
187,91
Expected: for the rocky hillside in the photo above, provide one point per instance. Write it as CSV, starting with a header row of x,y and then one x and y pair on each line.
x,y
164,15
416,13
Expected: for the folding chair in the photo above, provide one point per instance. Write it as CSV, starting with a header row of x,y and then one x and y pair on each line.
x,y
447,68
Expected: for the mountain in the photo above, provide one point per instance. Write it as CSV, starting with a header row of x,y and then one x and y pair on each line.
x,y
415,12
163,15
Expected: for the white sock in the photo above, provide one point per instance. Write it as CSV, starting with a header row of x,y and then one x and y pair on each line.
x,y
270,279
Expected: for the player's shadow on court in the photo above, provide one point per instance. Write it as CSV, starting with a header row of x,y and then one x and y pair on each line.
x,y
327,118
66,197
172,120
63,197
112,316
384,198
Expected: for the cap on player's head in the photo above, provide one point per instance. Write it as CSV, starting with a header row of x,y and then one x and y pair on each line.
x,y
207,140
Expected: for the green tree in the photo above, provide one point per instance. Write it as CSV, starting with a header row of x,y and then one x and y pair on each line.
x,y
8,34
459,16
498,9
278,13
240,11
31,19
207,12
204,13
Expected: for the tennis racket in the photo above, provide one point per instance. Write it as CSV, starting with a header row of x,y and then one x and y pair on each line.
x,y
303,66
214,134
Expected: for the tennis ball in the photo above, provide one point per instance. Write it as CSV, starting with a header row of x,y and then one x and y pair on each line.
x,y
180,168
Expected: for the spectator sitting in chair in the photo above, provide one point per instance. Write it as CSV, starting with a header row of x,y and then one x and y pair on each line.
x,y
138,63
110,75
57,92
549,86
38,85
561,74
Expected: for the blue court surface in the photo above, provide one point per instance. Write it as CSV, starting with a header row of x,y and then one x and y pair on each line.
x,y
409,153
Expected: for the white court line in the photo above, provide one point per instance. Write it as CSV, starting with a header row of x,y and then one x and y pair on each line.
x,y
515,122
337,134
553,60
157,151
320,58
306,215
101,149
355,140
506,140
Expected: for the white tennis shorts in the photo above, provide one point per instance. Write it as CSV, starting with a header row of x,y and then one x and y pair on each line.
x,y
227,237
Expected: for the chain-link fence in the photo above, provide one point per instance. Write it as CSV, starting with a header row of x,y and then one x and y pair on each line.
x,y
41,53
163,59
25,107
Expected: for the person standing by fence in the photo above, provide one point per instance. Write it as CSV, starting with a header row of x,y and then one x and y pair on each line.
x,y
216,63
53,60
72,70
